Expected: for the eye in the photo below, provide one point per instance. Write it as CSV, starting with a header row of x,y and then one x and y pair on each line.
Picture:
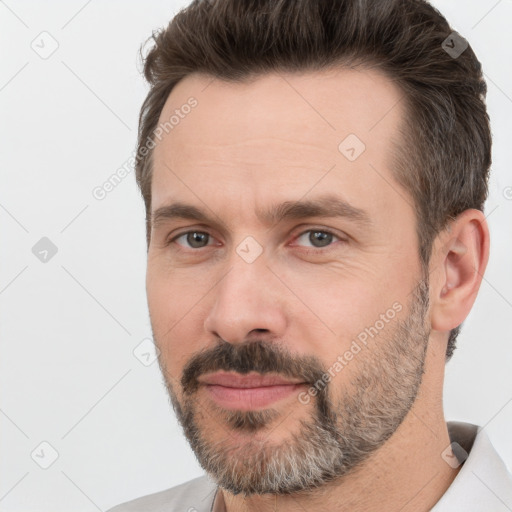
x,y
318,238
194,239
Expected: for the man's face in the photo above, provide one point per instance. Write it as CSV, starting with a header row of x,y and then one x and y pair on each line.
x,y
330,298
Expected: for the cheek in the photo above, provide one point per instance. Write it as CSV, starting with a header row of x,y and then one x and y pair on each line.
x,y
340,303
172,295
174,305
338,292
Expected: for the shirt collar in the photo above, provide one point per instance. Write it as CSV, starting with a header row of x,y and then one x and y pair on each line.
x,y
483,482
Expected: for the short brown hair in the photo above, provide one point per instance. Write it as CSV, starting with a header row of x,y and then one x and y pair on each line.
x,y
445,153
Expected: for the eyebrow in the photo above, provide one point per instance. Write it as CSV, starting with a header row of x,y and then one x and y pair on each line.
x,y
324,206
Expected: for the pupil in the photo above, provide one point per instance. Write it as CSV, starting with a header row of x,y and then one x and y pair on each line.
x,y
320,236
195,239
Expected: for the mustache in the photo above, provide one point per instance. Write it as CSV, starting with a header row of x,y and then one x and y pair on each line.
x,y
256,356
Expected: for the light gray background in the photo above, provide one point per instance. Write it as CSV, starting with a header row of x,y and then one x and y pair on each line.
x,y
69,326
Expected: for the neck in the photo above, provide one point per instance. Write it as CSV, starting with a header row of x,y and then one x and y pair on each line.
x,y
407,473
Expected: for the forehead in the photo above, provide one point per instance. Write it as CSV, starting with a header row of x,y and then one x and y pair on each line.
x,y
279,134
308,106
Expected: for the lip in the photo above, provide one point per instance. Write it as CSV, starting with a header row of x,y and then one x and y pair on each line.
x,y
247,392
254,380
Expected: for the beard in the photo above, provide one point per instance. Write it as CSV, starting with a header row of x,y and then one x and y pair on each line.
x,y
334,439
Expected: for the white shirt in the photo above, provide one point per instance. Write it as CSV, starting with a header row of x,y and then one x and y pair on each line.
x,y
483,484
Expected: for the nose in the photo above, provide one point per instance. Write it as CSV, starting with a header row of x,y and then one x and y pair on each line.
x,y
248,300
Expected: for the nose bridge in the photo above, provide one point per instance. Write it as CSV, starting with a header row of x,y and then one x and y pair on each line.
x,y
245,299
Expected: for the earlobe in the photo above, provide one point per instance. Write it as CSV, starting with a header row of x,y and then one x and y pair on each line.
x,y
460,260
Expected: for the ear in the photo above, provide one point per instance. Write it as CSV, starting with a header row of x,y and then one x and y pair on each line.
x,y
459,258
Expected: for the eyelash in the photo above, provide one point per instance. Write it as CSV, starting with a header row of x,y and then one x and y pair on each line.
x,y
306,250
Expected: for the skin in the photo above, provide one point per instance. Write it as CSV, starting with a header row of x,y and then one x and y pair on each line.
x,y
275,139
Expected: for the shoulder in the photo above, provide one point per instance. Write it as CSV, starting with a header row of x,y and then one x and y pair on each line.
x,y
195,496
